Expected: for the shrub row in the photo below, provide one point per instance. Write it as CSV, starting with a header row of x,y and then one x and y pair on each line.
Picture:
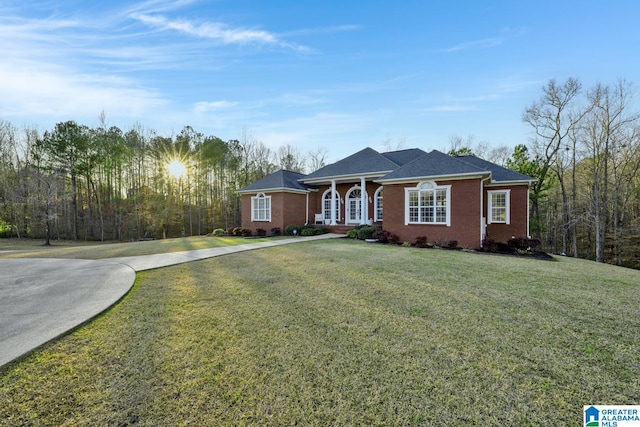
x,y
304,230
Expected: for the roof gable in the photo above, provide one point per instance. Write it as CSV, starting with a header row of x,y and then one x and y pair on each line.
x,y
280,180
365,161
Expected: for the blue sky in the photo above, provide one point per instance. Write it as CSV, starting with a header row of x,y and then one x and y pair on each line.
x,y
341,75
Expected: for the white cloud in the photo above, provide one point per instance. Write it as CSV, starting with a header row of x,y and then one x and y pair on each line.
x,y
220,32
475,44
35,89
203,107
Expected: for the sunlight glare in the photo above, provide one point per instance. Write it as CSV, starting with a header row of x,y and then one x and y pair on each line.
x,y
177,169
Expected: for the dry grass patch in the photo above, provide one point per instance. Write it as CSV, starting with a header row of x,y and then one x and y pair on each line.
x,y
344,333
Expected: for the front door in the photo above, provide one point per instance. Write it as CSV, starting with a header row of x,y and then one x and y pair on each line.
x,y
354,206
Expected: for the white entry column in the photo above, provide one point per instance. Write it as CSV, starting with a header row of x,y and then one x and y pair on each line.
x,y
364,206
333,202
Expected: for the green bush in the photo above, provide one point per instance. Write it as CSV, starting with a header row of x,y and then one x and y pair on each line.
x,y
261,232
311,230
219,232
288,230
308,232
275,231
366,231
352,234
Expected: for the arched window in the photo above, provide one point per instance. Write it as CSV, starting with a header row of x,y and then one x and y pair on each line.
x,y
353,203
326,205
261,207
377,208
428,203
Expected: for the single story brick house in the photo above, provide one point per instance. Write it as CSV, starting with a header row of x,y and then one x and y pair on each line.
x,y
409,193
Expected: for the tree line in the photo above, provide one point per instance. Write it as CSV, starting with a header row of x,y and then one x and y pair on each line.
x,y
585,154
103,183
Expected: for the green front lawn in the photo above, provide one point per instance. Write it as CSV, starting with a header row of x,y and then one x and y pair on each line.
x,y
341,332
27,248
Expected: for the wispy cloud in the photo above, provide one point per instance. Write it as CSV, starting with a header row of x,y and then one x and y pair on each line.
x,y
323,30
475,44
203,107
217,31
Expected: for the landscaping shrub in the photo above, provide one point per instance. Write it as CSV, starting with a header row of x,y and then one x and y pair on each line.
x,y
488,245
288,230
235,231
352,234
366,231
219,232
261,232
421,242
245,232
308,232
311,230
452,244
385,236
524,244
275,231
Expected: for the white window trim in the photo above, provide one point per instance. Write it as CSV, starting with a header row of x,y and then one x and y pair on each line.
x,y
260,196
347,209
507,205
375,204
421,188
324,211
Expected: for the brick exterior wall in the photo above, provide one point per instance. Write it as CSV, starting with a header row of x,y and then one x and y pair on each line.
x,y
518,225
286,209
465,215
290,208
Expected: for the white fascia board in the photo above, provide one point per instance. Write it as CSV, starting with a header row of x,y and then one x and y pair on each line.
x,y
344,178
502,183
457,177
274,190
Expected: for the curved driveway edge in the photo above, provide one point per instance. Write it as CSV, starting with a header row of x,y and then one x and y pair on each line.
x,y
44,298
41,299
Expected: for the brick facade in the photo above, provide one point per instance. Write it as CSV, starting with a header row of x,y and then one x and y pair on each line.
x,y
518,226
297,198
465,215
286,208
466,212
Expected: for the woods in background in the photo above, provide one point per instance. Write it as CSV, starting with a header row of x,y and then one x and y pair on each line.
x,y
75,182
103,183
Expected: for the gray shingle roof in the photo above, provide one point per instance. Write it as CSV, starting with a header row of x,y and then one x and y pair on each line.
x,y
498,173
365,161
280,180
433,164
402,157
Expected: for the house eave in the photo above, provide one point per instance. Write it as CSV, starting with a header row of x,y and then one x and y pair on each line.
x,y
274,190
344,178
516,182
456,177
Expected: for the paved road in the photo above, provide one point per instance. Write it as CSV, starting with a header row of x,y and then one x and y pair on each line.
x,y
42,299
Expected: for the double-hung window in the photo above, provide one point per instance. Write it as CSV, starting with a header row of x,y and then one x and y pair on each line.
x,y
498,206
261,208
428,204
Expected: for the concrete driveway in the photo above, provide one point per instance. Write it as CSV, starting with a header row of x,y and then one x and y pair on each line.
x,y
42,299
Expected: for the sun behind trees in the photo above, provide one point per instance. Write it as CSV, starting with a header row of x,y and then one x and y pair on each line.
x,y
75,182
